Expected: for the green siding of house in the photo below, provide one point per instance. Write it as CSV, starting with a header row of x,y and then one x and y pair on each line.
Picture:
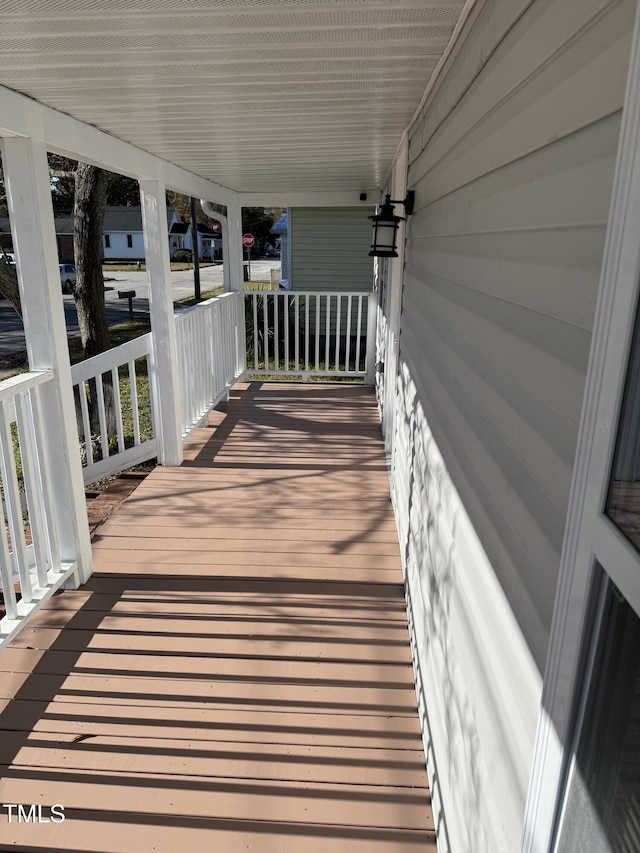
x,y
330,248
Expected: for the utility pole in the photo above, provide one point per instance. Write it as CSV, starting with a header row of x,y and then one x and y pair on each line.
x,y
194,243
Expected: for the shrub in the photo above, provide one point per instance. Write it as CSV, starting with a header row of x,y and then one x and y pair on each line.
x,y
182,256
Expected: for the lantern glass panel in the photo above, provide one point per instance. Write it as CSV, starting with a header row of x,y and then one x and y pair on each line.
x,y
384,237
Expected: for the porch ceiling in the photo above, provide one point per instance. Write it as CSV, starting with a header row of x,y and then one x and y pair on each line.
x,y
253,94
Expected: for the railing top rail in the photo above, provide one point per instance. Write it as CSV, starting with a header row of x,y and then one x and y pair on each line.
x,y
23,382
309,292
206,303
114,357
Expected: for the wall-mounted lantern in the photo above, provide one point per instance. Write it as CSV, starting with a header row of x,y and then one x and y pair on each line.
x,y
385,226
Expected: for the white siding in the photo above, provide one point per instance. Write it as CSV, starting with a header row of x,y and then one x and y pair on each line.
x,y
119,248
512,162
330,248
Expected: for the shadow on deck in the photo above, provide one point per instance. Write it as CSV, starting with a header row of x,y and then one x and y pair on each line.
x,y
236,675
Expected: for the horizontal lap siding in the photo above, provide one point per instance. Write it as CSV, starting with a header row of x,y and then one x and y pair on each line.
x,y
512,162
330,248
330,252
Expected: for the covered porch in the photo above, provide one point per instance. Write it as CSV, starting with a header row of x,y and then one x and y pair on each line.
x,y
236,674
228,658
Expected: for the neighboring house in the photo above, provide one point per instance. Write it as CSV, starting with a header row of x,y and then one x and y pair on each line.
x,y
209,239
280,229
122,232
64,237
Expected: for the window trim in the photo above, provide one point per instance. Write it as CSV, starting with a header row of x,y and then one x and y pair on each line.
x,y
589,535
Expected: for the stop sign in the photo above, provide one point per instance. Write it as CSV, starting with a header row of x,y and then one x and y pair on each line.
x,y
248,240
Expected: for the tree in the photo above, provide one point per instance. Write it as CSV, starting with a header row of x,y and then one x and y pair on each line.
x,y
65,175
182,204
9,284
259,221
8,275
91,187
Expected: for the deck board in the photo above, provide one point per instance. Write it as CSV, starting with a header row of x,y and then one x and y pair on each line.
x,y
236,674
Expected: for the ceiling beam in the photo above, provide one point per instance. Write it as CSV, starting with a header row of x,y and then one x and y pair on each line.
x,y
22,116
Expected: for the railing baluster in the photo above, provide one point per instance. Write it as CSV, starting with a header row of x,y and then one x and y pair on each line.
x,y
213,318
317,333
347,352
198,362
218,332
276,337
338,318
13,505
297,331
327,336
188,365
102,417
135,415
265,309
306,334
37,425
254,298
205,365
117,406
358,332
285,299
6,576
84,408
184,387
33,488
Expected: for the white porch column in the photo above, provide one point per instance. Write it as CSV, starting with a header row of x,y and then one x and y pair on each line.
x,y
166,376
34,241
235,250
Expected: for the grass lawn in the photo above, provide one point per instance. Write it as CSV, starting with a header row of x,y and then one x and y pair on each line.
x,y
134,266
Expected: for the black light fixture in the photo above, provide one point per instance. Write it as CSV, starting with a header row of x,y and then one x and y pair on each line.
x,y
385,226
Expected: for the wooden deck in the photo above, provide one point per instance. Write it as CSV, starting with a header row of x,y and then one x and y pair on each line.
x,y
236,675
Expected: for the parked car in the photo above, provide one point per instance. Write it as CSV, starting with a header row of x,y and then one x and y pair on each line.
x,y
67,277
8,258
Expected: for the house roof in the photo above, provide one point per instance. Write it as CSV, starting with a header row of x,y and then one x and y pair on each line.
x,y
64,225
127,218
212,230
203,228
281,225
256,95
121,218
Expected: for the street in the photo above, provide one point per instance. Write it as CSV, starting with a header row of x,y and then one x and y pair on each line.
x,y
12,334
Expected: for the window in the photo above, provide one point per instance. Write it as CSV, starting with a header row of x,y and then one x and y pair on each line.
x,y
107,241
602,813
623,501
129,241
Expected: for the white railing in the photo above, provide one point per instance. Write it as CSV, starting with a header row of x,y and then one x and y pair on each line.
x,y
211,353
31,568
306,333
115,422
